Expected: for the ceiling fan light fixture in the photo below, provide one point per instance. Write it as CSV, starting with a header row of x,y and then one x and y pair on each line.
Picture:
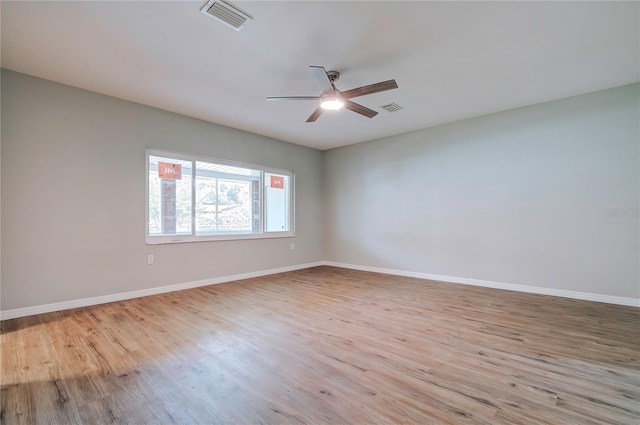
x,y
332,103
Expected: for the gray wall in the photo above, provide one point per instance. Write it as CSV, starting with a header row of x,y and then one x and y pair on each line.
x,y
73,196
546,196
537,196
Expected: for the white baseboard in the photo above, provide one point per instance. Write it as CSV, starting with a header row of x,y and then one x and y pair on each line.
x,y
84,302
633,302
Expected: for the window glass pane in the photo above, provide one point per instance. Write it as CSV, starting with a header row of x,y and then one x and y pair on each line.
x,y
206,203
169,196
234,205
276,192
226,199
226,169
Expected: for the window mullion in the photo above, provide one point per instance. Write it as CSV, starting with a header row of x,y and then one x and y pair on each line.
x,y
263,206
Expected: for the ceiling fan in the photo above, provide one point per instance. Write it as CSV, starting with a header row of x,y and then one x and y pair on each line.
x,y
334,99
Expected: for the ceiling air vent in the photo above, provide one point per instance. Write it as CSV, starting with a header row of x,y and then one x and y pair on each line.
x,y
392,107
226,13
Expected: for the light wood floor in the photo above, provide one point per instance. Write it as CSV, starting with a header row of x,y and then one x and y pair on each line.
x,y
326,346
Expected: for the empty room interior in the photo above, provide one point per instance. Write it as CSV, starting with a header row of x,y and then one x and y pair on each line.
x,y
320,212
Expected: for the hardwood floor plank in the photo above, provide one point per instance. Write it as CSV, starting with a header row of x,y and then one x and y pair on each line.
x,y
326,346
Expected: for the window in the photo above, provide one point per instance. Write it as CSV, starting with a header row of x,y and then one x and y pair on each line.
x,y
195,199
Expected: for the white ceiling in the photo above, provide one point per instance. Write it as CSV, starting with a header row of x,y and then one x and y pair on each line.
x,y
451,60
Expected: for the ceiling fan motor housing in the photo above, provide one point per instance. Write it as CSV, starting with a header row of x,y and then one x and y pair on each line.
x,y
333,76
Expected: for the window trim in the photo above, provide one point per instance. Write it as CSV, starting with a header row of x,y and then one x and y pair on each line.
x,y
222,235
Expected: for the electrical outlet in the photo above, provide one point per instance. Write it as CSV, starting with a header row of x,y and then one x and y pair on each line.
x,y
150,259
293,246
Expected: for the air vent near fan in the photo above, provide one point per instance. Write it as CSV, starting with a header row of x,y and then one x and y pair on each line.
x,y
226,13
392,107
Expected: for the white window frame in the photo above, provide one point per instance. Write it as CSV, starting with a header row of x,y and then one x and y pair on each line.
x,y
222,235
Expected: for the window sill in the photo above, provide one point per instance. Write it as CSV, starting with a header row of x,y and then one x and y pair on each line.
x,y
161,240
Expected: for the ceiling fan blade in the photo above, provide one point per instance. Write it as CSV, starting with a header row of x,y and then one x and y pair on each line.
x,y
313,117
272,98
321,75
370,89
362,110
